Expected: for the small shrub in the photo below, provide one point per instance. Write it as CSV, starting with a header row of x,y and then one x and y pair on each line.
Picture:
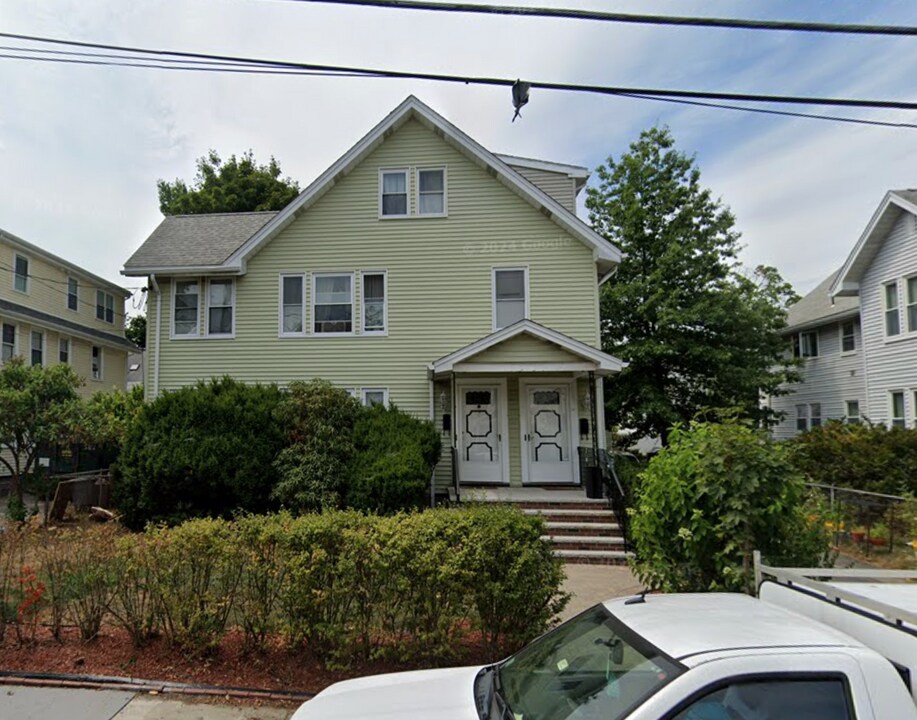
x,y
13,541
715,494
134,603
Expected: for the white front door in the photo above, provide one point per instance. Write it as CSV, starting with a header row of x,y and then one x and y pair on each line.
x,y
481,435
546,439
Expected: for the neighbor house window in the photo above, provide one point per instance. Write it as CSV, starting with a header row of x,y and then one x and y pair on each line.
x,y
73,294
853,412
802,418
806,344
21,274
105,306
220,305
848,336
38,347
375,396
96,362
510,296
912,304
7,342
63,350
374,308
431,192
814,414
393,193
898,416
892,320
292,304
187,308
332,304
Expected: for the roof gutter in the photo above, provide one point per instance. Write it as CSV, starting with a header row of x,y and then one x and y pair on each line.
x,y
183,270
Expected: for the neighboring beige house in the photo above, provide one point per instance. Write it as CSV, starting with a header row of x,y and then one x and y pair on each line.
x,y
857,331
52,311
419,269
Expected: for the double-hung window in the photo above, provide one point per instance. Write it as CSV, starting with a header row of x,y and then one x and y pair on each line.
x,y
897,408
332,303
375,320
431,192
912,304
375,396
848,336
73,294
853,412
892,319
96,362
186,314
7,342
63,350
510,296
21,274
802,418
806,344
814,414
105,306
292,304
393,193
221,299
38,348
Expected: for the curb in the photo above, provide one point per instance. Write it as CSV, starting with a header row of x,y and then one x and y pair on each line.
x,y
108,682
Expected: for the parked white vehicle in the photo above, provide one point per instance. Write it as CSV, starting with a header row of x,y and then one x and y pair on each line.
x,y
806,650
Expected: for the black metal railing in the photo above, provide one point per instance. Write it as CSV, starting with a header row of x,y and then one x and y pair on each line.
x,y
613,491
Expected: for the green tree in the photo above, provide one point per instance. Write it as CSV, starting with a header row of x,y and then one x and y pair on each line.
x,y
714,495
40,407
696,331
136,331
235,185
106,417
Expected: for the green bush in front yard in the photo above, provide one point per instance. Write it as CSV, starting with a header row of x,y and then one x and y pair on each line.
x,y
715,494
204,450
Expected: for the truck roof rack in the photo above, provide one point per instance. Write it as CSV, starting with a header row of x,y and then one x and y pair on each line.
x,y
813,579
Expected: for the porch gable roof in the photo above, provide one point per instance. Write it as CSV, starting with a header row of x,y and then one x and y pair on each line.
x,y
590,357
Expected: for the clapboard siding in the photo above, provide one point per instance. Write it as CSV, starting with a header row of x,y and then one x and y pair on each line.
x,y
831,379
892,362
559,186
439,281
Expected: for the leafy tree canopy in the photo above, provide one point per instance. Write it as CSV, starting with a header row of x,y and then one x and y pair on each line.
x,y
136,331
696,330
235,185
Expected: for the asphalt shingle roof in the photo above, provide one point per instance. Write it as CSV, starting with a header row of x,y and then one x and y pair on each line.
x,y
817,306
187,240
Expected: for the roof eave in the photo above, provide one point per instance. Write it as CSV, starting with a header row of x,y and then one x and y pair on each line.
x,y
818,322
183,270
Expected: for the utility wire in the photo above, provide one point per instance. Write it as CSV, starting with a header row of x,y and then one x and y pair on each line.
x,y
574,14
472,80
47,282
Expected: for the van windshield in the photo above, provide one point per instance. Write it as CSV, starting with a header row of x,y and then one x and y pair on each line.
x,y
589,668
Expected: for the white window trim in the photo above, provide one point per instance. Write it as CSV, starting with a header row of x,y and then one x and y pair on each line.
x,y
365,391
493,291
885,310
913,395
374,333
4,321
28,273
407,192
207,333
44,347
69,342
352,391
905,306
841,333
848,416
200,291
445,212
801,344
353,319
76,294
101,377
891,406
305,326
105,296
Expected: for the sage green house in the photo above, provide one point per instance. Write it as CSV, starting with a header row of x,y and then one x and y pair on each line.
x,y
420,269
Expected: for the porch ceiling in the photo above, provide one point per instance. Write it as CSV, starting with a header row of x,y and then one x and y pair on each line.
x,y
526,347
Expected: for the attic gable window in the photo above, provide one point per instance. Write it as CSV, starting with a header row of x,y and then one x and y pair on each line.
x,y
431,192
393,193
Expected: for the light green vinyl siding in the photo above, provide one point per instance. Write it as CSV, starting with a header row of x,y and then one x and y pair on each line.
x,y
524,349
559,186
439,274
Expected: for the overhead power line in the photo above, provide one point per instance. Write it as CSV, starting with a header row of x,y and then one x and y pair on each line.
x,y
637,19
204,62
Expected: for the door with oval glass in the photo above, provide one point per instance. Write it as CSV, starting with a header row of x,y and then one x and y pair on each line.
x,y
547,448
481,433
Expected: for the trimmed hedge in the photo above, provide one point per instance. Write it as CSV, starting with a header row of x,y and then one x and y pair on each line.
x,y
342,585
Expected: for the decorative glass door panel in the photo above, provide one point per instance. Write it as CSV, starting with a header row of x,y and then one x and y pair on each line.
x,y
480,439
547,434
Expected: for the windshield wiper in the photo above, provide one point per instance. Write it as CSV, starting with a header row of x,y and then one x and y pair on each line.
x,y
497,688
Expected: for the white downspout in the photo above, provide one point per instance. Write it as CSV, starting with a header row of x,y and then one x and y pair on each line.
x,y
158,336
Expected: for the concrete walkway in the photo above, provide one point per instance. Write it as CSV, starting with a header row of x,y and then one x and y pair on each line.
x,y
592,584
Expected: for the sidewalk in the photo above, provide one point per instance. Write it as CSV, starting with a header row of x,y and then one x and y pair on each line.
x,y
592,584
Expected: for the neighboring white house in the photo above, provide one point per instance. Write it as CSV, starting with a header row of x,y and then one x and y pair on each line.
x,y
857,331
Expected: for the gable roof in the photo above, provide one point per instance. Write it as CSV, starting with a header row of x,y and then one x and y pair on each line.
x,y
604,252
603,361
818,307
198,240
883,220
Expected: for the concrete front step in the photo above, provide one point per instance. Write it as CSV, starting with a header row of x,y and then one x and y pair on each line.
x,y
582,528
584,542
584,504
581,516
593,557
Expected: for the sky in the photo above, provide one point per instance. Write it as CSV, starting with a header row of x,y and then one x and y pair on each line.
x,y
81,147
